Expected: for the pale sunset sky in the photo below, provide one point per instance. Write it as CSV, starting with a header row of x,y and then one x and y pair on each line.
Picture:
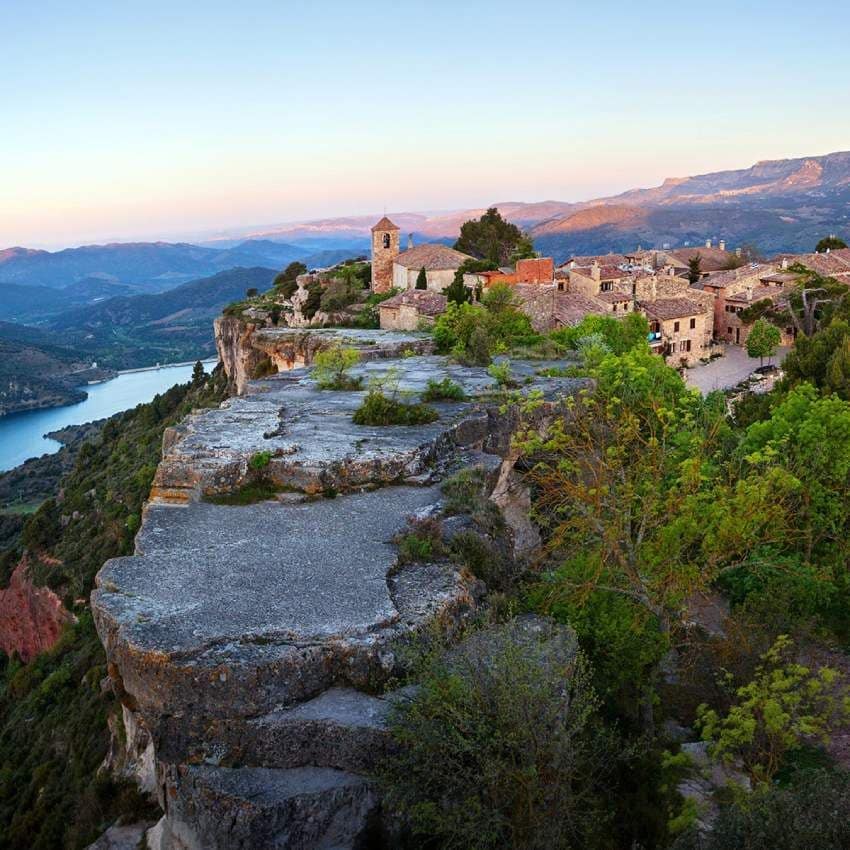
x,y
146,120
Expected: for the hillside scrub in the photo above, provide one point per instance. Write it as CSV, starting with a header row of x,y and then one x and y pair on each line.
x,y
444,390
502,748
381,409
53,712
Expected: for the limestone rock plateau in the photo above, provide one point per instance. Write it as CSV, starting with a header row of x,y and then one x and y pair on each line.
x,y
258,641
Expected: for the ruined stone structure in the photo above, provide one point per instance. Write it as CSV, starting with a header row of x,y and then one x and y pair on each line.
x,y
251,643
385,249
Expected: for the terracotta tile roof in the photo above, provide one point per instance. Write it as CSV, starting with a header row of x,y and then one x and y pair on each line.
x,y
432,257
613,297
602,259
759,293
780,277
724,279
572,307
824,264
671,308
385,224
426,302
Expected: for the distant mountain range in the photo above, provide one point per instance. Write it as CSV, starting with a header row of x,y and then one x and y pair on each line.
x,y
165,327
781,205
144,266
777,205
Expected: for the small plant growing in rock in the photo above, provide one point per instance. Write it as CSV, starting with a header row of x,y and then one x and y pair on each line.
x,y
501,373
331,369
445,390
382,405
259,460
422,541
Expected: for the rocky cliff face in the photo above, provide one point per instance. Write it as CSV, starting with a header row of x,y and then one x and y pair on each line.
x,y
254,641
31,618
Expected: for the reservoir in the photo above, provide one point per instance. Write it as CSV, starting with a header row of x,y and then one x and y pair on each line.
x,y
22,434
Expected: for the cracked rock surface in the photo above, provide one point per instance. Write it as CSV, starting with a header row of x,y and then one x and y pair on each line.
x,y
254,641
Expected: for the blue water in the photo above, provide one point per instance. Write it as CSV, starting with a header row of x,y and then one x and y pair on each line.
x,y
22,434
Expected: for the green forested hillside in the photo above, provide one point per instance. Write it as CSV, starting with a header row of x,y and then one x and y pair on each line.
x,y
53,711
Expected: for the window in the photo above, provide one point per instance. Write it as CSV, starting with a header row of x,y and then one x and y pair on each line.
x,y
693,323
386,240
685,345
607,286
615,308
675,327
729,331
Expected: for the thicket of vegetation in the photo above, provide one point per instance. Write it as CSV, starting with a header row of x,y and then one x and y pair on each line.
x,y
53,712
654,500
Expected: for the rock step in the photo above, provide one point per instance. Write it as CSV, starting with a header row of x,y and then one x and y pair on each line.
x,y
216,808
341,728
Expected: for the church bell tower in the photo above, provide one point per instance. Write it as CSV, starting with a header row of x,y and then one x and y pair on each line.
x,y
385,248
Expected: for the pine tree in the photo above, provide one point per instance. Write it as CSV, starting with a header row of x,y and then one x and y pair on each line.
x,y
422,279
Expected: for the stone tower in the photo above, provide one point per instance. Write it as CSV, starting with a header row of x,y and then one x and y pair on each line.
x,y
385,248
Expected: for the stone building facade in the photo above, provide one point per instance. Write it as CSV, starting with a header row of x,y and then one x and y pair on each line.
x,y
385,249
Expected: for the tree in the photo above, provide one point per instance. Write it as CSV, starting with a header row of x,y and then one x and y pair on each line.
x,y
763,340
784,705
830,243
199,376
457,292
695,268
331,368
422,279
285,281
492,238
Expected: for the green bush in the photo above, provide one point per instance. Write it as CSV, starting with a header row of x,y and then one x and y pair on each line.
x,y
285,282
380,409
331,368
313,301
501,373
259,460
445,390
812,814
619,335
501,748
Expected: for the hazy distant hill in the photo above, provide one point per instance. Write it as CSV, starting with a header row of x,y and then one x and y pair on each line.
x,y
172,326
150,266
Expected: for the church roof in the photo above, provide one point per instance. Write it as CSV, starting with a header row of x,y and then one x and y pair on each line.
x,y
432,257
385,224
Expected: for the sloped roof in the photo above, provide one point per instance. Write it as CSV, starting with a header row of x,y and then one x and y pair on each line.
x,y
672,308
613,297
711,259
432,257
572,307
724,279
426,302
385,224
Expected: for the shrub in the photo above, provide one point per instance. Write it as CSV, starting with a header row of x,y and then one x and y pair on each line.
x,y
285,282
501,373
785,704
380,409
473,552
259,460
313,301
499,748
445,390
620,335
810,815
331,367
340,293
422,541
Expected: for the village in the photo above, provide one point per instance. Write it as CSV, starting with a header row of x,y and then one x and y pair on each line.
x,y
701,302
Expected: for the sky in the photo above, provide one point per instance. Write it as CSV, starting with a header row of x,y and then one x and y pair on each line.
x,y
144,120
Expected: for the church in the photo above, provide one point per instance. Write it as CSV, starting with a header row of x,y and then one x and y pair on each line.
x,y
393,268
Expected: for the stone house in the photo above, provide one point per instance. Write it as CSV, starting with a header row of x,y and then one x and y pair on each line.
x,y
680,329
411,310
719,286
536,270
439,261
595,279
735,328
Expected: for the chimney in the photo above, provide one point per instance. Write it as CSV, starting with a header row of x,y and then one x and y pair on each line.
x,y
722,244
784,263
595,271
738,252
707,243
653,290
409,241
750,292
